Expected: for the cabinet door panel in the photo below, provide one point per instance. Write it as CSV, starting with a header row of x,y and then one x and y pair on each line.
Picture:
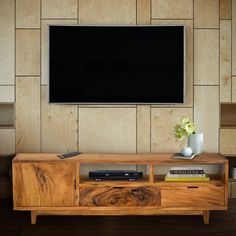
x,y
43,184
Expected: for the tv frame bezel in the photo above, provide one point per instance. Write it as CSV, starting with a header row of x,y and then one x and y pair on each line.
x,y
124,103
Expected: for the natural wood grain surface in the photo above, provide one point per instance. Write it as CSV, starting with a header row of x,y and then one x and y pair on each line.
x,y
27,13
124,211
117,158
39,184
33,217
172,9
190,197
77,183
62,9
225,9
206,57
118,197
7,42
206,215
147,210
225,61
107,12
28,114
48,185
27,52
206,13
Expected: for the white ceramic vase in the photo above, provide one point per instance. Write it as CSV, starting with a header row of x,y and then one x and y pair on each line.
x,y
195,141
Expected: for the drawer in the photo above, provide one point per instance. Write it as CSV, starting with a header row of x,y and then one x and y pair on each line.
x,y
118,196
192,196
228,141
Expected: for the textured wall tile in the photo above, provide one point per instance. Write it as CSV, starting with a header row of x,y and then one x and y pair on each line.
x,y
59,9
206,115
7,94
228,141
206,13
206,57
28,114
143,129
143,12
225,61
172,9
59,126
28,52
107,12
163,121
28,13
7,28
225,9
107,129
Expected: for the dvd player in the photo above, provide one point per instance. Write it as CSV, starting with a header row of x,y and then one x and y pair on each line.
x,y
115,175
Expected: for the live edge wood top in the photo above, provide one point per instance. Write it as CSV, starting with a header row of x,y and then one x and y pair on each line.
x,y
127,158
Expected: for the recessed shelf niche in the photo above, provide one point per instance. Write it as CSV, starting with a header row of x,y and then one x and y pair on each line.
x,y
228,115
7,114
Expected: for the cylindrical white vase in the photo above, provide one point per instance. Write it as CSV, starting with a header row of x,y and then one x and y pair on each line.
x,y
195,141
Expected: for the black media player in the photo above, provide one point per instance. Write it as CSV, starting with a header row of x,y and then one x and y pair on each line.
x,y
115,175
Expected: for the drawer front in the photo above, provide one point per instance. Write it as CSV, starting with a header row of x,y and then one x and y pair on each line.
x,y
118,196
228,141
192,197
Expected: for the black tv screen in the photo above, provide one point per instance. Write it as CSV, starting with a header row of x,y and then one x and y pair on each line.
x,y
116,64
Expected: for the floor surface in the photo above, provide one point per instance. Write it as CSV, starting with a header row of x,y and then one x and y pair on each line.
x,y
14,223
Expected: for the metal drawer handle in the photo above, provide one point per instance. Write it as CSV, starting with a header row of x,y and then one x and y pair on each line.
x,y
192,187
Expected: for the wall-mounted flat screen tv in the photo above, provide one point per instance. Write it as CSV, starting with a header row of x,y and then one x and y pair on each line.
x,y
117,64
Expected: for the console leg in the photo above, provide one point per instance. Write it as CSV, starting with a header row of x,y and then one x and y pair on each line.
x,y
206,216
33,217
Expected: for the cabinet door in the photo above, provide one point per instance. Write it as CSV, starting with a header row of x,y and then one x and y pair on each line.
x,y
43,184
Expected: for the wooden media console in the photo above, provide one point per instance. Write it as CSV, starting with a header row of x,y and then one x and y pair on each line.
x,y
46,185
